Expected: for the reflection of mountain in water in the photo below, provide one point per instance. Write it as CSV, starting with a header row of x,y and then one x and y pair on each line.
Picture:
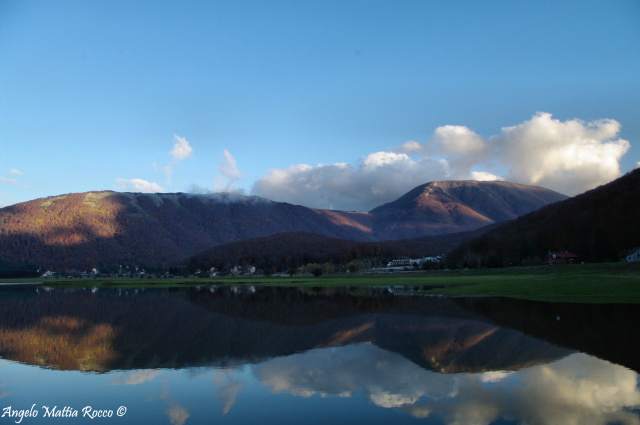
x,y
126,329
603,330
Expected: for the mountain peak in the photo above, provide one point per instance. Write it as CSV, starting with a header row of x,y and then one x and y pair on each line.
x,y
450,206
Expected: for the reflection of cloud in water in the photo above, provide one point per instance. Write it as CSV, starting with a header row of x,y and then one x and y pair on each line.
x,y
3,394
494,376
135,377
229,386
388,379
578,389
178,415
573,390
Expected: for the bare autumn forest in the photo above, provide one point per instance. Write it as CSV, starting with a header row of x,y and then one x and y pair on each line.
x,y
107,230
600,225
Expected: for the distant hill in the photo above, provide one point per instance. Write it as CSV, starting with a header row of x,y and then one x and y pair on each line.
x,y
107,229
598,225
454,206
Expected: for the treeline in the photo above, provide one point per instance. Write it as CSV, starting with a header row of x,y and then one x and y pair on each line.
x,y
17,271
600,225
76,231
292,250
79,231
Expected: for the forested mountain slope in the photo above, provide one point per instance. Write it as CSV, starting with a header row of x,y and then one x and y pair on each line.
x,y
598,225
455,206
107,229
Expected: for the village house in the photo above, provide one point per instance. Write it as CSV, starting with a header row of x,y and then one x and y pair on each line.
x,y
561,257
409,262
399,263
633,255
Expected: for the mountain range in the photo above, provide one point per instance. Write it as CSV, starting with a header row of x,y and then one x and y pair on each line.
x,y
107,229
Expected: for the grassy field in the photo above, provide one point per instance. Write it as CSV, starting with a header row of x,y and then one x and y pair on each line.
x,y
593,283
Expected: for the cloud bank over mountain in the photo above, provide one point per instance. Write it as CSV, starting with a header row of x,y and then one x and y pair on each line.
x,y
566,156
181,150
139,185
379,178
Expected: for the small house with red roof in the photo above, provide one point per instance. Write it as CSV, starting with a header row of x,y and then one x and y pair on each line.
x,y
561,257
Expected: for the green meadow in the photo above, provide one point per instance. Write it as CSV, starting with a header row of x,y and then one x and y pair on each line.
x,y
585,283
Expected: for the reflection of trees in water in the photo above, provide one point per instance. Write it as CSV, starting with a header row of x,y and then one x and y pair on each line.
x,y
174,328
61,342
603,330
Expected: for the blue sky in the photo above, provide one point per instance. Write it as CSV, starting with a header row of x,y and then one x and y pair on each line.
x,y
331,104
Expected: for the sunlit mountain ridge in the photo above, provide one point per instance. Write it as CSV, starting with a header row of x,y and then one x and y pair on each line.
x,y
109,229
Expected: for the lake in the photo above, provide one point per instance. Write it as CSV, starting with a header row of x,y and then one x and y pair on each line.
x,y
255,355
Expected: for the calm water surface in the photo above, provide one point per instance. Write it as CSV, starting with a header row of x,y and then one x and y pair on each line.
x,y
242,355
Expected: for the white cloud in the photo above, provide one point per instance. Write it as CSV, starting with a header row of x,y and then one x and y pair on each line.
x,y
168,173
229,166
569,157
458,140
484,176
410,147
166,170
181,149
9,181
139,185
380,178
229,174
462,148
6,200
566,156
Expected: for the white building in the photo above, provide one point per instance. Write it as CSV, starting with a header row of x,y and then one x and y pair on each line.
x,y
634,255
409,262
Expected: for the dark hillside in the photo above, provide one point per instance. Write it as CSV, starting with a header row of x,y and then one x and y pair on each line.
x,y
294,249
598,225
